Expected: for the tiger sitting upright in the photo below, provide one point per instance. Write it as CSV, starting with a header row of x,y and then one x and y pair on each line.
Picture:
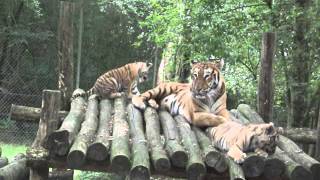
x,y
121,80
202,103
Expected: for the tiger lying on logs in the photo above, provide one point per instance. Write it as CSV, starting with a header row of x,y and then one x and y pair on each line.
x,y
121,80
203,103
236,139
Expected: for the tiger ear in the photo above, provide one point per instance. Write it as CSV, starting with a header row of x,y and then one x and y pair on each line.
x,y
193,61
149,65
219,63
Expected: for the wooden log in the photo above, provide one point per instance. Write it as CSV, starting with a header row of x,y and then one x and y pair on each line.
x,y
51,101
61,175
140,156
299,156
273,168
253,165
159,157
3,161
239,117
0,151
120,154
301,135
235,171
212,157
293,170
248,113
195,167
60,140
30,114
16,169
99,149
65,51
78,151
177,153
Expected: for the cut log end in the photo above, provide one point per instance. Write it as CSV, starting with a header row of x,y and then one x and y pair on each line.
x,y
253,165
273,168
76,159
162,165
217,161
98,152
299,173
3,161
139,173
179,159
195,170
315,169
57,136
120,164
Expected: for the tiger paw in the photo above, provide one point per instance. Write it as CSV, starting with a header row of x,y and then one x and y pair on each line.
x,y
138,102
153,103
116,95
237,156
261,153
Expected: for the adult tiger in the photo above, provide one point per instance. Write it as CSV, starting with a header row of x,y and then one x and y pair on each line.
x,y
202,103
121,80
237,139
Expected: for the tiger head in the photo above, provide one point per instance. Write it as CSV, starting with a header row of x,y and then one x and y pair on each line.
x,y
264,137
141,70
206,78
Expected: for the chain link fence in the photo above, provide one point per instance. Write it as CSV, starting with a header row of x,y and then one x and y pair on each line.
x,y
24,74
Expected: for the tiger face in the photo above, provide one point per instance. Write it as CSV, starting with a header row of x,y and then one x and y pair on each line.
x,y
265,137
143,71
205,78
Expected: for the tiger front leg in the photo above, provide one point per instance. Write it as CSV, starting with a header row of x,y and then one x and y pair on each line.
x,y
114,95
138,102
204,119
236,154
261,152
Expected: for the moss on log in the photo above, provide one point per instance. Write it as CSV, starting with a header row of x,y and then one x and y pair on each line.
x,y
140,156
120,154
177,153
99,149
239,117
3,161
212,157
299,156
159,157
195,167
235,170
16,169
60,140
293,170
78,151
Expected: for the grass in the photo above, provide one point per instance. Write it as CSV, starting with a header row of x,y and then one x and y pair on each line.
x,y
10,150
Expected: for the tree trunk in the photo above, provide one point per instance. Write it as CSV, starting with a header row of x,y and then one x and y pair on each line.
x,y
78,152
140,157
99,149
300,72
178,155
159,157
195,166
318,139
265,92
65,51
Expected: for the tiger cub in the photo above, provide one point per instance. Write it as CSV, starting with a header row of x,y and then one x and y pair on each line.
x,y
236,139
202,103
121,80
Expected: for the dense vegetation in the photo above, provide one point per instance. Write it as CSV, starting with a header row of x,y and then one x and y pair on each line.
x,y
116,32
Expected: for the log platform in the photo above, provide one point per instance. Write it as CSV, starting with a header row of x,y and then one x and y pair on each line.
x,y
114,136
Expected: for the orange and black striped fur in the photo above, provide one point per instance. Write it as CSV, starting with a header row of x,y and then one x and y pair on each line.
x,y
237,139
121,80
202,103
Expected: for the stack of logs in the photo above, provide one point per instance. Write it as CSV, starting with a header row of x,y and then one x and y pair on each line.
x,y
16,169
112,136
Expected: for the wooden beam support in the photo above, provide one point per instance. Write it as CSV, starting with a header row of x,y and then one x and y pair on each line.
x,y
30,114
